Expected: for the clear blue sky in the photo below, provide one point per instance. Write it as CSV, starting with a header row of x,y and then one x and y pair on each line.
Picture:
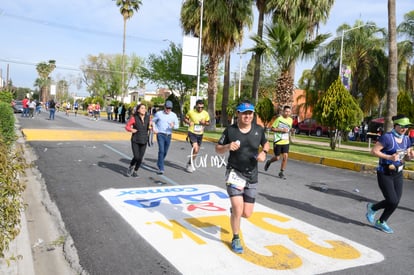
x,y
69,31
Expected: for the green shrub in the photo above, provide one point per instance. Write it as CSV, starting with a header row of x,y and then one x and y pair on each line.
x,y
7,133
6,96
11,203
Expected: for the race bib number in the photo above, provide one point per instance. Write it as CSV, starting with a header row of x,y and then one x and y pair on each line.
x,y
236,180
198,128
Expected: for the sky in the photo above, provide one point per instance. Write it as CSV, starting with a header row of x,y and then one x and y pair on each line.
x,y
69,31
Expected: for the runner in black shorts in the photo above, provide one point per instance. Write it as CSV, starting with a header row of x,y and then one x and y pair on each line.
x,y
243,141
281,128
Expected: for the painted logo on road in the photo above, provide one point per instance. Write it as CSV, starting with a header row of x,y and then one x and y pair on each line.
x,y
189,225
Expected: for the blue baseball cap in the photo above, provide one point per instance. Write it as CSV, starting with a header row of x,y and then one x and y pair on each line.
x,y
245,106
168,104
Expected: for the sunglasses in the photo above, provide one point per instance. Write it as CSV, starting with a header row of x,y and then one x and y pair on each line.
x,y
403,127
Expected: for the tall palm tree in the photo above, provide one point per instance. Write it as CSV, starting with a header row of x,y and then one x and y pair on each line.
x,y
126,8
221,20
313,12
242,15
392,90
406,51
44,70
262,7
363,51
285,43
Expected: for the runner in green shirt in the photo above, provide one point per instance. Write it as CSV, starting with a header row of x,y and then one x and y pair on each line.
x,y
281,128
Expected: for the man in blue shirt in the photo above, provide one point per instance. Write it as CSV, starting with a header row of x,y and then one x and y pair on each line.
x,y
162,124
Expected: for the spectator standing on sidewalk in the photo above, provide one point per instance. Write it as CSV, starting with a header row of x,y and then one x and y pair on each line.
x,y
163,123
197,119
281,128
242,140
32,107
109,112
25,104
139,125
392,149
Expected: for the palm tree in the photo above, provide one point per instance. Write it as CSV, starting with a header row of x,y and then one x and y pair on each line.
x,y
126,8
392,90
44,70
406,51
313,12
221,21
242,15
262,9
363,51
285,44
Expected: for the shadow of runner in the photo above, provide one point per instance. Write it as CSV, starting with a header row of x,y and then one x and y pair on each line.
x,y
306,207
346,194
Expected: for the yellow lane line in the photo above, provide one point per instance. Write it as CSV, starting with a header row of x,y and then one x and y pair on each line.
x,y
77,135
66,135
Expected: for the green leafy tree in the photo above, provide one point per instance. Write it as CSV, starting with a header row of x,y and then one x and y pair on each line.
x,y
165,70
126,8
405,104
265,110
338,110
102,74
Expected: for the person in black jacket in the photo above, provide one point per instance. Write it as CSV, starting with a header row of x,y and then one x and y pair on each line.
x,y
139,125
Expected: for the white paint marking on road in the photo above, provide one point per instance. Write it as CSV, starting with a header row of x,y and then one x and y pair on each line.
x,y
172,182
189,225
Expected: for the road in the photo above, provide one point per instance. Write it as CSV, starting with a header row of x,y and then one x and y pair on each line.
x,y
177,223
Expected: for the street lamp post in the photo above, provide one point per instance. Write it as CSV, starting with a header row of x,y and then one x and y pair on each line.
x,y
240,70
199,48
342,45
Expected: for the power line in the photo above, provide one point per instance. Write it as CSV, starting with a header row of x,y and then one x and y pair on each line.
x,y
60,67
74,28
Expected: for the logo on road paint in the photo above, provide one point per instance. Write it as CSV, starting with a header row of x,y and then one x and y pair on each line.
x,y
194,220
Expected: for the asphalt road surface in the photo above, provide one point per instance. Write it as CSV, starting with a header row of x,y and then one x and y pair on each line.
x,y
313,222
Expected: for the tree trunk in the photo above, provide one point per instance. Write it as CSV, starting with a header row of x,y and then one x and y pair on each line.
x,y
392,91
212,71
226,88
257,57
123,62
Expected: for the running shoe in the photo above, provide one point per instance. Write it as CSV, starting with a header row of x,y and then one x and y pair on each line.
x,y
281,175
236,246
135,174
370,213
130,171
267,164
189,168
383,226
160,172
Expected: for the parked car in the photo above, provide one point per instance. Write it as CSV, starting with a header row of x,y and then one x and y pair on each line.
x,y
312,127
18,106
